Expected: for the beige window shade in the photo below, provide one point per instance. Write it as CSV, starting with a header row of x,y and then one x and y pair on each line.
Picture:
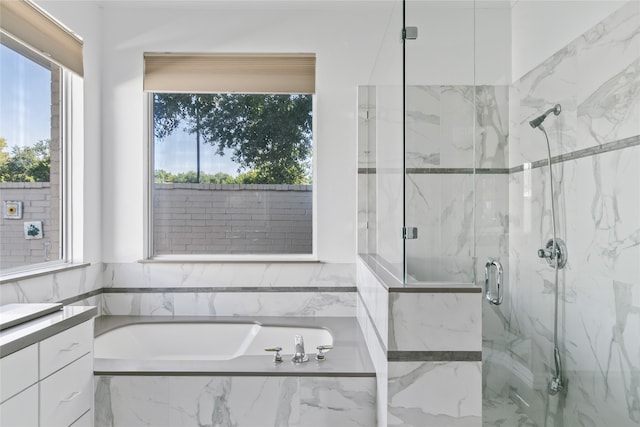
x,y
230,73
28,24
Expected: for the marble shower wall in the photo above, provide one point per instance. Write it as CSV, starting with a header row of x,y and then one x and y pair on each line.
x,y
440,158
596,78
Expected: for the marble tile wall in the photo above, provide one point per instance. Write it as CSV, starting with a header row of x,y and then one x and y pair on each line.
x,y
373,315
245,303
227,289
425,347
596,78
234,401
186,275
440,182
426,321
435,394
53,287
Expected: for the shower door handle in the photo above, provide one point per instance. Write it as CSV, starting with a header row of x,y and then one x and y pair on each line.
x,y
493,299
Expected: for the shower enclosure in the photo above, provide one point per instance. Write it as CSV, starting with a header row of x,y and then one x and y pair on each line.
x,y
451,175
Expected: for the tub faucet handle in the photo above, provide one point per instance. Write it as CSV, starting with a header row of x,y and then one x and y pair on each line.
x,y
278,357
321,348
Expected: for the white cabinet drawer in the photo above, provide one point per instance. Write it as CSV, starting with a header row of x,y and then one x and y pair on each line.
x,y
65,347
21,410
67,394
18,371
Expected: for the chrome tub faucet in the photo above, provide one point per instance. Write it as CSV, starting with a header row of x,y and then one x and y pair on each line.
x,y
299,356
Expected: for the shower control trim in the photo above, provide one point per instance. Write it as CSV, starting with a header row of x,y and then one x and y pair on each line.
x,y
552,256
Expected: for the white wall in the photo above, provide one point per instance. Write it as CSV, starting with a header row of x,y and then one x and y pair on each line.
x,y
85,19
454,34
345,37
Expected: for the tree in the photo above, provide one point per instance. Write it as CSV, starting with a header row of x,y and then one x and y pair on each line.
x,y
4,157
26,164
268,135
170,109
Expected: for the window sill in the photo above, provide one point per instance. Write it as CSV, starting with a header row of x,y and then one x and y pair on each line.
x,y
40,271
230,259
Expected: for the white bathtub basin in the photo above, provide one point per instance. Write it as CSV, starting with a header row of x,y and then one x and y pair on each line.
x,y
203,341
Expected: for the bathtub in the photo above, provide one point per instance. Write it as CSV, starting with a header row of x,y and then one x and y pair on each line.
x,y
223,345
203,340
184,371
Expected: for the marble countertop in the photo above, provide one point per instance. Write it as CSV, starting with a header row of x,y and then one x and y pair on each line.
x,y
349,357
23,335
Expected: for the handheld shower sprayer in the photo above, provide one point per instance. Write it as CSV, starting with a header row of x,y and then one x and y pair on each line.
x,y
537,122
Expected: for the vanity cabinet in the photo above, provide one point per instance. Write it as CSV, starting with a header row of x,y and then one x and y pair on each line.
x,y
50,382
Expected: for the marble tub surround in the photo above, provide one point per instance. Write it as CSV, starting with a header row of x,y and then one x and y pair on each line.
x,y
246,391
221,302
234,401
212,289
243,274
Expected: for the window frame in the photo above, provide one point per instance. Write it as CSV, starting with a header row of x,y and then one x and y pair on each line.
x,y
149,255
70,134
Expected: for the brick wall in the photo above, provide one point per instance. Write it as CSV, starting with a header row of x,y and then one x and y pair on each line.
x,y
232,219
36,199
41,202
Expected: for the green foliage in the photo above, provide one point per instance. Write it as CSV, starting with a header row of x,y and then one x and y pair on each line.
x,y
162,176
25,164
269,136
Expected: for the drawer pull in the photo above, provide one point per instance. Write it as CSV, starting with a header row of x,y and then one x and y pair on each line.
x,y
71,397
71,347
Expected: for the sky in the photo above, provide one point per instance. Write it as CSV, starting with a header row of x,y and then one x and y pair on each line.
x,y
25,100
25,118
177,153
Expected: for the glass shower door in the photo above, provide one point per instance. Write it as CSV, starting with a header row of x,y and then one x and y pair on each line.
x,y
439,142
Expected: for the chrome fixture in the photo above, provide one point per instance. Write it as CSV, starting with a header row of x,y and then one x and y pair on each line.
x,y
409,233
497,299
555,252
278,357
321,348
537,122
299,356
554,255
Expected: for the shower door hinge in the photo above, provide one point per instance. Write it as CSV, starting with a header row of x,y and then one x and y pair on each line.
x,y
409,233
409,33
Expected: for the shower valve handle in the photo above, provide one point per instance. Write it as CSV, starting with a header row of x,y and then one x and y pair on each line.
x,y
545,254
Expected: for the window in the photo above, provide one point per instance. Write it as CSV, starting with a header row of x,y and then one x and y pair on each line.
x,y
35,54
232,171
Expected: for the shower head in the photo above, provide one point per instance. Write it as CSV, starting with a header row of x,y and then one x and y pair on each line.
x,y
538,120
